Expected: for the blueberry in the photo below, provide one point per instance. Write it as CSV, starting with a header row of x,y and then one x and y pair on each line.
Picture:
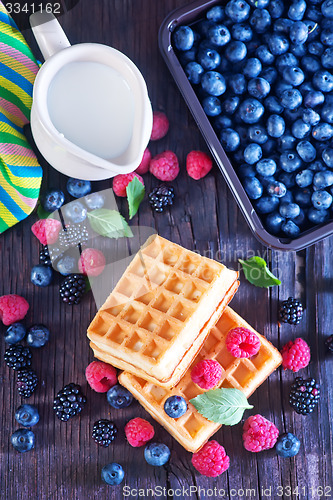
x,y
291,115
275,126
313,13
310,116
246,170
257,134
41,275
316,49
229,139
285,61
241,32
230,104
188,56
274,222
253,187
322,180
219,35
278,44
306,151
310,64
298,50
119,397
75,212
287,445
296,10
327,156
318,216
313,98
211,106
183,38
273,105
327,112
38,336
289,228
266,167
298,32
78,188
259,4
252,153
156,454
304,178
52,200
276,8
267,204
222,121
321,199
235,51
237,10
327,9
237,83
23,440
208,58
287,141
66,265
213,83
94,200
276,188
270,74
282,26
112,474
300,129
265,56
293,75
216,14
289,210
326,36
15,333
27,415
260,20
323,80
175,406
303,197
281,86
258,88
322,132
291,98
251,110
288,179
194,72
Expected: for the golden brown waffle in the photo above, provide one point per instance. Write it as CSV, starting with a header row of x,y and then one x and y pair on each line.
x,y
192,430
103,355
158,307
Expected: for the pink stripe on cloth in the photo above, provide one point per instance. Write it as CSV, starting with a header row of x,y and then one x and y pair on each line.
x,y
16,54
14,110
15,149
30,202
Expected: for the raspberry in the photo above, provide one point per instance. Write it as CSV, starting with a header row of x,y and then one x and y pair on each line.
x,y
242,343
13,308
91,262
259,434
165,166
198,164
211,460
46,230
138,432
295,355
101,376
144,165
120,183
207,373
160,126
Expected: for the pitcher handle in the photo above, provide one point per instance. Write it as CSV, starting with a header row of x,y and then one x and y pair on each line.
x,y
49,35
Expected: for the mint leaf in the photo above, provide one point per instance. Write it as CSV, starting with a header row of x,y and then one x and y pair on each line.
x,y
223,406
42,214
256,272
135,191
109,223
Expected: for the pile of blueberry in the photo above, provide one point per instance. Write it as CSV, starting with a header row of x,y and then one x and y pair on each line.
x,y
262,70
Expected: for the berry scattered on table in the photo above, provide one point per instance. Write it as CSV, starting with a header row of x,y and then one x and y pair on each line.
x,y
165,166
94,201
304,395
175,406
138,432
160,126
291,311
69,402
287,445
74,212
101,376
27,415
104,432
72,289
198,164
13,308
119,397
161,197
41,275
143,168
38,336
91,262
259,434
211,460
66,265
329,343
15,333
112,474
18,357
120,183
78,187
49,255
295,355
73,234
52,200
46,230
27,382
242,342
156,454
23,440
207,373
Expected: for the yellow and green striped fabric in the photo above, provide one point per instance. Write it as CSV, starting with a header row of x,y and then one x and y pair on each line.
x,y
20,172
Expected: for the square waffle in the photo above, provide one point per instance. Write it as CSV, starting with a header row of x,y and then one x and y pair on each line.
x,y
192,430
159,306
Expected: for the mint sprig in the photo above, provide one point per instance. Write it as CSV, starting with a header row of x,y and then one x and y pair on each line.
x,y
223,406
257,273
135,191
109,223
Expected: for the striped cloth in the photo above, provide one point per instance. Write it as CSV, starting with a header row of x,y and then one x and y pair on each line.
x,y
20,172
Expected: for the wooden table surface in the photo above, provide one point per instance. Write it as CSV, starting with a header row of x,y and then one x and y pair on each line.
x,y
66,463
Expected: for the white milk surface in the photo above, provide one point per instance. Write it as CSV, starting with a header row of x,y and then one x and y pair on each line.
x,y
93,107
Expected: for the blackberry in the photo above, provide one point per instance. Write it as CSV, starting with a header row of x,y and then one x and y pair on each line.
x,y
104,432
304,395
161,197
291,311
27,382
329,343
73,235
69,402
46,255
72,289
17,357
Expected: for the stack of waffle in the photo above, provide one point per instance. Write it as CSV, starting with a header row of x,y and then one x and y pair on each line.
x,y
167,312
